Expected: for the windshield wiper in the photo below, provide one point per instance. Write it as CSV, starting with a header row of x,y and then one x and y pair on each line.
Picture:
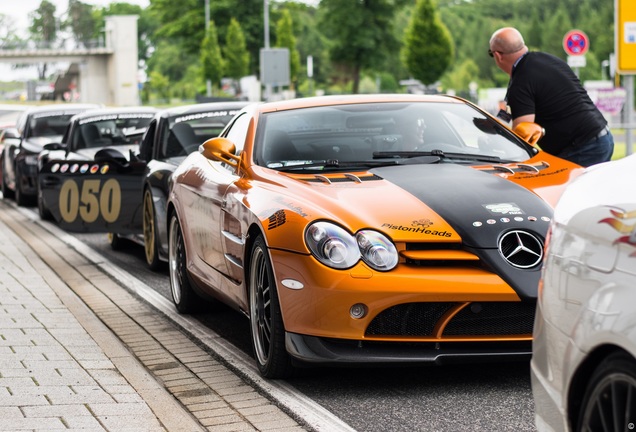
x,y
438,153
335,163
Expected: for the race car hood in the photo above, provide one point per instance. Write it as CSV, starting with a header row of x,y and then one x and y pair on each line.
x,y
441,203
455,203
476,204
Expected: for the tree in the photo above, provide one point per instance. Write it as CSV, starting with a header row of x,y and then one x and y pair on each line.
x,y
555,28
211,60
237,58
169,59
428,48
184,22
285,39
81,22
44,24
159,84
44,30
8,33
146,24
359,32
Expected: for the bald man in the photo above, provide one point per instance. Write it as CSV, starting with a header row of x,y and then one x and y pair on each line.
x,y
544,89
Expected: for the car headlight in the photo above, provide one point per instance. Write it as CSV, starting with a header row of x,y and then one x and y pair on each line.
x,y
335,247
377,250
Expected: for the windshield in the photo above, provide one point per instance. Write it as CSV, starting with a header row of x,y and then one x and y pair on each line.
x,y
43,125
111,129
186,132
372,132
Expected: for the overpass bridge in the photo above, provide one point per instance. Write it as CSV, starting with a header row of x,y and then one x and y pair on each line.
x,y
106,75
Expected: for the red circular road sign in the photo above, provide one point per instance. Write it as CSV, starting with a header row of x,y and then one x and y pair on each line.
x,y
575,43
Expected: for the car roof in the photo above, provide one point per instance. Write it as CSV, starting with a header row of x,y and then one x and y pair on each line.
x,y
115,110
60,107
352,99
203,107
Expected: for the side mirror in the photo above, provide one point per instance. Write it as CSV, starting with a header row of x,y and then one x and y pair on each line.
x,y
220,150
529,132
54,146
111,155
11,133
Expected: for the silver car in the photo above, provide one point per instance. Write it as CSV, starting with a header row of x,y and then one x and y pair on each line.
x,y
584,350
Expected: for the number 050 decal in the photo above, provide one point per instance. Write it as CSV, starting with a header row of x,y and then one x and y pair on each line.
x,y
94,199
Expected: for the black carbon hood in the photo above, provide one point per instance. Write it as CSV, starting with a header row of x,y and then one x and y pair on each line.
x,y
481,207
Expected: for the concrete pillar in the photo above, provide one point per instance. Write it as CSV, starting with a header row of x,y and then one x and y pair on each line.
x,y
121,37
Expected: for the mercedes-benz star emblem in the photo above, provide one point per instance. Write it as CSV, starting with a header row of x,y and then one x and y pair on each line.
x,y
521,249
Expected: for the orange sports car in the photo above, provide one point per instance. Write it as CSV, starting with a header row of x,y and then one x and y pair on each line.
x,y
367,230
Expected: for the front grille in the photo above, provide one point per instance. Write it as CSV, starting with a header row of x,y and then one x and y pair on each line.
x,y
508,318
476,319
410,319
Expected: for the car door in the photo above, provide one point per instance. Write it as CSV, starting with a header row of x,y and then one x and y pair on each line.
x,y
98,195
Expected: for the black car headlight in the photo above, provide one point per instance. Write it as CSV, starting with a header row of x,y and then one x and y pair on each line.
x,y
335,247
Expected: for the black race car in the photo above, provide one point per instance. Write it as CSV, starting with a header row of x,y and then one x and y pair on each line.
x,y
130,197
37,126
93,132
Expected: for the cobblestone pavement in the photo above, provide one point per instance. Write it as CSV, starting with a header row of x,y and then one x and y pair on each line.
x,y
79,352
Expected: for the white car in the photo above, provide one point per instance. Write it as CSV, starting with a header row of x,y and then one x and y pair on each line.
x,y
584,350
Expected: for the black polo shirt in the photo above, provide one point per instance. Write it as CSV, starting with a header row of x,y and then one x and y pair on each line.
x,y
544,85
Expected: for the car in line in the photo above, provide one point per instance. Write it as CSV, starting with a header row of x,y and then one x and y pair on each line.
x,y
141,184
90,133
583,367
37,126
367,230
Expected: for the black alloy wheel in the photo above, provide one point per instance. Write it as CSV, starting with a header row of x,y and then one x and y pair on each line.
x,y
609,403
45,213
183,295
266,322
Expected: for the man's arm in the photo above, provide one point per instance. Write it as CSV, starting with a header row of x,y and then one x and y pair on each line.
x,y
523,118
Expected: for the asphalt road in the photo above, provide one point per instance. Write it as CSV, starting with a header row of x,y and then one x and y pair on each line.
x,y
475,397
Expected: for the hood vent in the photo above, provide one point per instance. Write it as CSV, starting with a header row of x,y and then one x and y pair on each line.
x,y
340,178
534,168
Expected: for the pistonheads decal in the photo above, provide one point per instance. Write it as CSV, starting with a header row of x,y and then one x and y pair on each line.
x,y
424,223
418,230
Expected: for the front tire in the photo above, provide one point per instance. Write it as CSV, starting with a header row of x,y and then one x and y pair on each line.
x,y
183,295
266,321
610,397
21,199
6,192
150,233
45,213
